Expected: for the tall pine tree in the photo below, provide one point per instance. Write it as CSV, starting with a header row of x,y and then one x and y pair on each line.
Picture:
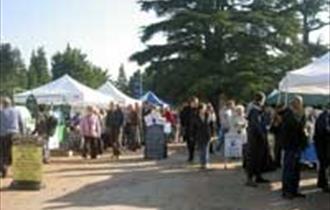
x,y
135,84
38,73
312,20
12,70
220,46
122,82
74,63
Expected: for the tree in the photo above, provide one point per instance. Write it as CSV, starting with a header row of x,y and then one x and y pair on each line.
x,y
220,46
135,84
12,70
38,73
74,63
311,12
122,83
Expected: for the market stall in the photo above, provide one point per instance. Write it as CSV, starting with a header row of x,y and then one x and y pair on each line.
x,y
313,79
151,98
65,90
118,96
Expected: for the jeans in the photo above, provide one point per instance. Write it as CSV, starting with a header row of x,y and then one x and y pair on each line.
x,y
291,171
46,151
221,139
203,153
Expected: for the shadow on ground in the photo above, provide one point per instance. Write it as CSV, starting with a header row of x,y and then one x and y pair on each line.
x,y
134,183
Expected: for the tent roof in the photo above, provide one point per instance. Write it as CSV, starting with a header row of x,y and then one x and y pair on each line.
x,y
65,90
309,100
153,99
109,89
311,79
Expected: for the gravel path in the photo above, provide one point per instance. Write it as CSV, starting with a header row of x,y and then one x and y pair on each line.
x,y
133,184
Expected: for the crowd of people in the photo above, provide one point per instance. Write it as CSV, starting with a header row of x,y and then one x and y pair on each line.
x,y
202,127
119,127
293,128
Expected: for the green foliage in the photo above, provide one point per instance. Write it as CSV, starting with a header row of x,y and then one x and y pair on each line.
x,y
122,82
38,73
74,63
234,47
311,12
135,84
12,70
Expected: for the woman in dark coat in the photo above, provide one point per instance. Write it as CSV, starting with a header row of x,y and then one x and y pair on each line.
x,y
322,144
257,142
294,142
114,123
202,133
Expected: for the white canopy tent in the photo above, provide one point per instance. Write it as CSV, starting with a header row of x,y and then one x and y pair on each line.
x,y
65,90
118,96
311,79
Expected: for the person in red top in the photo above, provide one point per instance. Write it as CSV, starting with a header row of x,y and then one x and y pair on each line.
x,y
170,119
168,115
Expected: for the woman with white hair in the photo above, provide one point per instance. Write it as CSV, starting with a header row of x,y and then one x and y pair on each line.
x,y
294,142
237,133
239,122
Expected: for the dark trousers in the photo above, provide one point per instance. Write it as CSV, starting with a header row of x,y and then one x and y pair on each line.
x,y
100,146
5,152
322,180
291,171
91,144
132,140
277,151
114,139
191,148
256,150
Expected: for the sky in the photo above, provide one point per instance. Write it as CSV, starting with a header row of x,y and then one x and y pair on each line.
x,y
108,31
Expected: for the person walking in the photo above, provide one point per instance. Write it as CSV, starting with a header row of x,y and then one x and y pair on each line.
x,y
90,129
294,141
192,114
45,127
257,141
202,134
132,124
212,125
114,123
322,145
11,124
183,115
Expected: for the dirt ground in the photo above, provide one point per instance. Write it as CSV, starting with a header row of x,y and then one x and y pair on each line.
x,y
134,184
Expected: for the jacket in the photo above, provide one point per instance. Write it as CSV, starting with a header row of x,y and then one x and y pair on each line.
x,y
294,136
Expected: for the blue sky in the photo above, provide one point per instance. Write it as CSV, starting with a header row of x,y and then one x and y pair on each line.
x,y
106,30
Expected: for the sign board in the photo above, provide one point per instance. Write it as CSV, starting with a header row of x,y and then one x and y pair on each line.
x,y
27,162
233,145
